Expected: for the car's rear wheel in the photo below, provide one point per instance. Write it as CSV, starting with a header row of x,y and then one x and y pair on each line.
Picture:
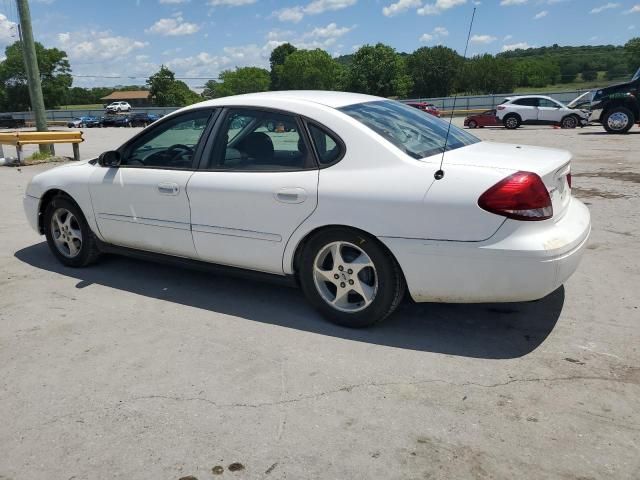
x,y
473,124
569,122
512,122
350,277
618,120
68,234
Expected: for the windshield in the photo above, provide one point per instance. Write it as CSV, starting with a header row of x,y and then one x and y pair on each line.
x,y
636,76
409,129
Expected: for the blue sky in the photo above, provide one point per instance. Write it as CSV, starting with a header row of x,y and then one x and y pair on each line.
x,y
199,38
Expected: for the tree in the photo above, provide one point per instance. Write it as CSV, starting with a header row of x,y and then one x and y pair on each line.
x,y
278,57
632,48
55,74
486,74
242,80
434,71
378,70
166,91
536,72
310,70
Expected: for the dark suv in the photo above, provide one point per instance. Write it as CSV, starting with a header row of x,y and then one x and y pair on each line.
x,y
7,121
618,107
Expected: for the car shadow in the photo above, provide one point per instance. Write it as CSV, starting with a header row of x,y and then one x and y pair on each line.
x,y
491,331
607,133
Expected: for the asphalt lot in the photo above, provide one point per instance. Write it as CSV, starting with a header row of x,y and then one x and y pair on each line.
x,y
136,370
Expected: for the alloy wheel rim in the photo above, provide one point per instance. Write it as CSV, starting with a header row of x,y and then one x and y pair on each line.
x,y
66,233
472,124
511,122
570,122
345,277
618,121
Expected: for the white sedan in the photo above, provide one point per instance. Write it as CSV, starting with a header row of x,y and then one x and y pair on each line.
x,y
341,193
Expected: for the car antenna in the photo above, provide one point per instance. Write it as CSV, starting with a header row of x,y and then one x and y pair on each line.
x,y
439,175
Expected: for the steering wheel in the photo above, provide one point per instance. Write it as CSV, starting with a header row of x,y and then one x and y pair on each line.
x,y
174,152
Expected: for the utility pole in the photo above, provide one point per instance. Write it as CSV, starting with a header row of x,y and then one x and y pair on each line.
x,y
32,69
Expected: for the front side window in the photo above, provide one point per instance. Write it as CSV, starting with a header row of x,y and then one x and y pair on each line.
x,y
545,102
413,132
170,145
260,140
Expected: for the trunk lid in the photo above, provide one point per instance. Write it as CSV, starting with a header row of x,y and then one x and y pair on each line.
x,y
552,165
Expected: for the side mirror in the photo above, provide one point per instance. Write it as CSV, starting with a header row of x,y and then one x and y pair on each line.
x,y
111,158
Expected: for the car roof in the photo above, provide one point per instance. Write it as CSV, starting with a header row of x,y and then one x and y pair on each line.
x,y
322,97
518,97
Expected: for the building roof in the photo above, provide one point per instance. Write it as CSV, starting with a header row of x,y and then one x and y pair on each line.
x,y
127,95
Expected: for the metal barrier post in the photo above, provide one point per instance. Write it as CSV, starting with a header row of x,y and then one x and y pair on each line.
x,y
19,153
52,150
76,151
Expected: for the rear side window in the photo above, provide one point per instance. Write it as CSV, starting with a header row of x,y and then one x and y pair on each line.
x,y
327,146
527,102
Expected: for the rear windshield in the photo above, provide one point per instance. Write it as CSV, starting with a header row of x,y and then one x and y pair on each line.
x,y
417,134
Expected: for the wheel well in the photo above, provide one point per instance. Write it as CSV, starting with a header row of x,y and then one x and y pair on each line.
x,y
513,114
633,106
45,200
305,240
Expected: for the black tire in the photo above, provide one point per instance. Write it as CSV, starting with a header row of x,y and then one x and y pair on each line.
x,y
473,124
88,251
612,125
570,121
390,281
511,121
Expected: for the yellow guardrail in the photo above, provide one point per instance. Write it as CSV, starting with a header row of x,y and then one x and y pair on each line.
x,y
18,139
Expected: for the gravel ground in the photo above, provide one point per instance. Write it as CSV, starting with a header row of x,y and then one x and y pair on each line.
x,y
136,370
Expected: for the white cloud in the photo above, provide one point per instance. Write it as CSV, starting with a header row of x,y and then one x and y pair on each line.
x,y
439,6
173,2
515,46
319,37
8,30
173,27
507,37
231,3
436,33
509,3
95,45
400,6
483,39
541,14
606,6
296,13
634,9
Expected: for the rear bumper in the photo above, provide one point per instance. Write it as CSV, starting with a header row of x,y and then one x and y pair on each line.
x,y
523,261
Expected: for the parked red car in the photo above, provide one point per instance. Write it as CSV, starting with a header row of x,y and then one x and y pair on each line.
x,y
484,119
426,107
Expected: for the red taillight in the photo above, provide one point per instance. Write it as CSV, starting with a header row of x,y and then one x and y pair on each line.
x,y
521,196
569,179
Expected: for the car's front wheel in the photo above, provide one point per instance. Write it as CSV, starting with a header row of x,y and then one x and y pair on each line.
x,y
350,277
69,236
473,124
570,121
618,120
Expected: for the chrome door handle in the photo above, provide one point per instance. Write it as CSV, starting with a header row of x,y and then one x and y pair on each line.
x,y
168,188
291,195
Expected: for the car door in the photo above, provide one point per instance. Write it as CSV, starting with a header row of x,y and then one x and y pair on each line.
x,y
257,183
527,108
549,111
143,203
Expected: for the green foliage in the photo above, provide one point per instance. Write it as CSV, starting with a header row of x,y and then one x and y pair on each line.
x,y
434,71
378,70
277,59
310,69
535,72
242,80
40,155
166,91
486,74
55,74
632,49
